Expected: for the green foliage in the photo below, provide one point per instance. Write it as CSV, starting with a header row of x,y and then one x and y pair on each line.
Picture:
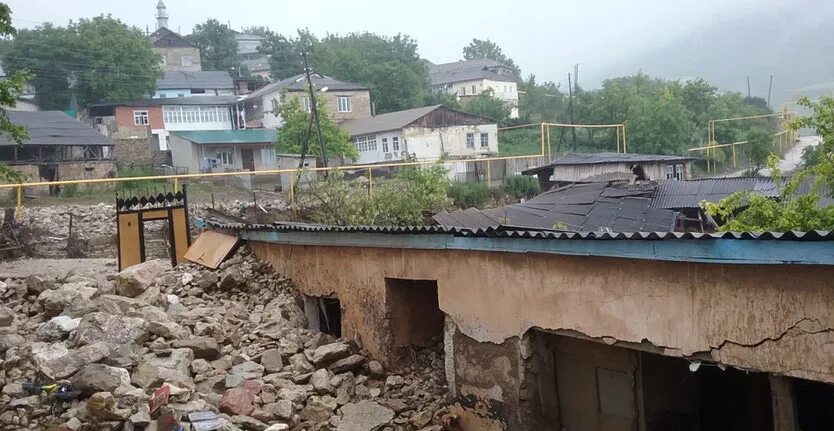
x,y
541,102
521,186
478,49
448,100
293,132
94,59
131,171
748,211
757,149
218,48
10,89
519,142
404,200
389,66
469,195
486,105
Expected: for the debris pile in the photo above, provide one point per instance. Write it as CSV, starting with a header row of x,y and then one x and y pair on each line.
x,y
224,349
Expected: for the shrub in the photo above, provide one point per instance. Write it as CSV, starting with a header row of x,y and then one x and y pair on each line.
x,y
521,186
128,171
468,195
70,190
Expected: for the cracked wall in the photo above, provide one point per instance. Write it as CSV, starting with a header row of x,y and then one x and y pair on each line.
x,y
772,318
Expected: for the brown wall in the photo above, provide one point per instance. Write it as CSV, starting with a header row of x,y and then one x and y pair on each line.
x,y
773,318
124,118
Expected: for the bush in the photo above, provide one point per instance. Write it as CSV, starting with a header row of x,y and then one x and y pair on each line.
x,y
70,190
521,186
403,200
468,195
128,171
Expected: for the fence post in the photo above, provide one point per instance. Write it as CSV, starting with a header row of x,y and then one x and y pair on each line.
x,y
176,184
370,181
19,198
488,173
292,190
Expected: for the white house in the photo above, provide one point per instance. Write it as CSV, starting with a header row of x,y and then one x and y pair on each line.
x,y
467,79
426,133
177,83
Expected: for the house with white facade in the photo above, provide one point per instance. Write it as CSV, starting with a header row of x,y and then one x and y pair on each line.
x,y
177,83
427,133
467,79
342,100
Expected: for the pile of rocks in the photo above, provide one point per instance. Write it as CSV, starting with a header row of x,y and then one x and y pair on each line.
x,y
95,226
230,342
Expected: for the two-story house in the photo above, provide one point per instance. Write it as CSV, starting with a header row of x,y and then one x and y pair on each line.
x,y
343,100
176,51
424,134
469,78
250,57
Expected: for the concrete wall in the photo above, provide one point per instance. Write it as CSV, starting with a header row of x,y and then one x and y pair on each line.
x,y
173,58
185,153
430,143
770,318
269,118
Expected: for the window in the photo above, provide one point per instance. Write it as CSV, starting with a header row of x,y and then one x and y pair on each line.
x,y
361,143
670,173
225,157
473,90
395,142
372,143
463,91
195,114
679,172
384,145
470,140
343,104
185,60
305,104
140,118
484,140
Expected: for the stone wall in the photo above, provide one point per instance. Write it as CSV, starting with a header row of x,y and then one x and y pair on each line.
x,y
137,151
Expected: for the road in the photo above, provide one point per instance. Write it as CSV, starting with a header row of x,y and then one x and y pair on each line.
x,y
791,161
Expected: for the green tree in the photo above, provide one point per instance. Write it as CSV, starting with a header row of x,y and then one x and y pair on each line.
x,y
284,56
487,105
293,131
758,148
218,48
478,49
659,125
10,89
541,102
793,210
94,59
448,100
389,66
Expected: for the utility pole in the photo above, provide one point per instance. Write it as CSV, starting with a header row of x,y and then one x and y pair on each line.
x,y
748,87
769,89
570,110
314,110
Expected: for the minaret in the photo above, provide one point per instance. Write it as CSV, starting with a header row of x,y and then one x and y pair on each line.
x,y
161,15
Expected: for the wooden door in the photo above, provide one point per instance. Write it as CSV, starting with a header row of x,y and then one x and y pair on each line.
x,y
247,157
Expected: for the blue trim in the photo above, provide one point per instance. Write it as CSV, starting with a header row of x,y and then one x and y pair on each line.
x,y
730,251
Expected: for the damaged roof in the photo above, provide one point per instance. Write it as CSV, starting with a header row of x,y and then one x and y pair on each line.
x,y
600,158
578,207
54,128
673,194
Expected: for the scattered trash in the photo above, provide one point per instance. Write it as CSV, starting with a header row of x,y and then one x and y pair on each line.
x,y
58,391
159,398
204,421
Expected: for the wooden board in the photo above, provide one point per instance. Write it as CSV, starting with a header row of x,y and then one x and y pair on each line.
x,y
130,240
181,239
210,248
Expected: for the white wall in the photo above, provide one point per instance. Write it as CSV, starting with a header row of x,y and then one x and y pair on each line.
x,y
380,156
505,91
271,118
429,143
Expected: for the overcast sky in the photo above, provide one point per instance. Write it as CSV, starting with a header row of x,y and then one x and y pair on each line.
x,y
545,37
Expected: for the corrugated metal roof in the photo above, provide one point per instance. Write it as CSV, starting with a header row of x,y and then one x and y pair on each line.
x,y
599,158
211,137
54,128
467,70
184,101
672,194
209,80
383,122
525,233
577,207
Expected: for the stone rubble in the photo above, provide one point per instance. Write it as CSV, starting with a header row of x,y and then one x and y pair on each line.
x,y
231,341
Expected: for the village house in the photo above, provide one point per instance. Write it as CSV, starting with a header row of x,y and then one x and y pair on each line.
x,y
342,100
546,330
254,61
177,83
425,134
593,167
142,127
469,78
178,54
59,147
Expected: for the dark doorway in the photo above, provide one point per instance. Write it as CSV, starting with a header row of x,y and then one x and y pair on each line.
x,y
415,315
49,173
247,158
813,405
640,173
324,315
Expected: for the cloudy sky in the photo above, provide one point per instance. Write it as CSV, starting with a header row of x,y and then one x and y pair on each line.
x,y
544,37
